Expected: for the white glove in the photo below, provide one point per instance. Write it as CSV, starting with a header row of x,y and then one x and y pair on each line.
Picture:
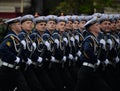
x,y
79,53
29,62
102,41
70,56
109,41
73,40
117,59
76,58
106,62
57,42
34,45
47,44
52,59
77,38
117,40
40,59
24,44
64,58
17,60
98,62
65,39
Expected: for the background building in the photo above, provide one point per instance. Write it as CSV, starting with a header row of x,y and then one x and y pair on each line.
x,y
13,8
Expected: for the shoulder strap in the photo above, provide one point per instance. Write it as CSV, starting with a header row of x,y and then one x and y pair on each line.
x,y
9,35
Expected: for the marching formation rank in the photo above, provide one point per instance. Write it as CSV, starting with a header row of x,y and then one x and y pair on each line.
x,y
61,53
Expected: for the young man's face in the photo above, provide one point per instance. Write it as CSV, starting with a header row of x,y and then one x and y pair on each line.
x,y
75,25
113,26
81,25
27,25
69,25
41,26
118,24
60,26
95,28
105,25
18,26
51,25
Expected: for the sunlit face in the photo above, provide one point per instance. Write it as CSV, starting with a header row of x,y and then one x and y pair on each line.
x,y
18,26
75,25
41,26
105,25
81,25
27,26
51,25
113,26
95,28
60,26
68,25
118,24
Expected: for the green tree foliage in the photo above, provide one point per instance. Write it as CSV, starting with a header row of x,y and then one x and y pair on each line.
x,y
80,6
3,30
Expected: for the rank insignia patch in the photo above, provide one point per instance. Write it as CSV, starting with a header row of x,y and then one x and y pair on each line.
x,y
8,43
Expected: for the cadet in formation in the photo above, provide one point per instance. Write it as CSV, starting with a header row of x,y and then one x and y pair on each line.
x,y
11,77
61,53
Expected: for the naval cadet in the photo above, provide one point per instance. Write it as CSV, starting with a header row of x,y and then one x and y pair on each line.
x,y
28,51
53,62
68,81
85,32
39,54
117,17
88,79
82,21
11,77
109,52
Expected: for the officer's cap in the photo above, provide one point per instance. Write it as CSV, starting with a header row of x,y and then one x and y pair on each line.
x,y
51,18
88,17
69,18
112,18
82,18
91,22
13,20
27,18
104,17
61,19
40,19
75,18
97,15
117,16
